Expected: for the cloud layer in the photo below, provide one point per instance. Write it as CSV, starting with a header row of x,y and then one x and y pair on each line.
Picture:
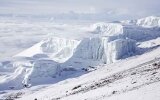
x,y
110,8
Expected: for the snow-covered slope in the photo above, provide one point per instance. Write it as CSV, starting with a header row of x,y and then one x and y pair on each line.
x,y
104,47
112,82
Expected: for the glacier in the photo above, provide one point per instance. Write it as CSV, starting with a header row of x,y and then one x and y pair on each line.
x,y
100,43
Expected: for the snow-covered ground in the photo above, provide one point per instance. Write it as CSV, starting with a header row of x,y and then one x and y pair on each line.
x,y
82,62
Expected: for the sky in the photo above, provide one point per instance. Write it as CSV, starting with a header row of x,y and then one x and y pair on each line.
x,y
111,9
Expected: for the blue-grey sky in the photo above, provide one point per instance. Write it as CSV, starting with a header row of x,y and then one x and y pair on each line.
x,y
110,8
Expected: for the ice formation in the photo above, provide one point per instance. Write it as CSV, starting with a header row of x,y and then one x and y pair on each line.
x,y
150,21
104,43
147,22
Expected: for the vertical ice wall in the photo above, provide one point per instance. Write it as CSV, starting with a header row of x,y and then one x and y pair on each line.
x,y
103,49
118,49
